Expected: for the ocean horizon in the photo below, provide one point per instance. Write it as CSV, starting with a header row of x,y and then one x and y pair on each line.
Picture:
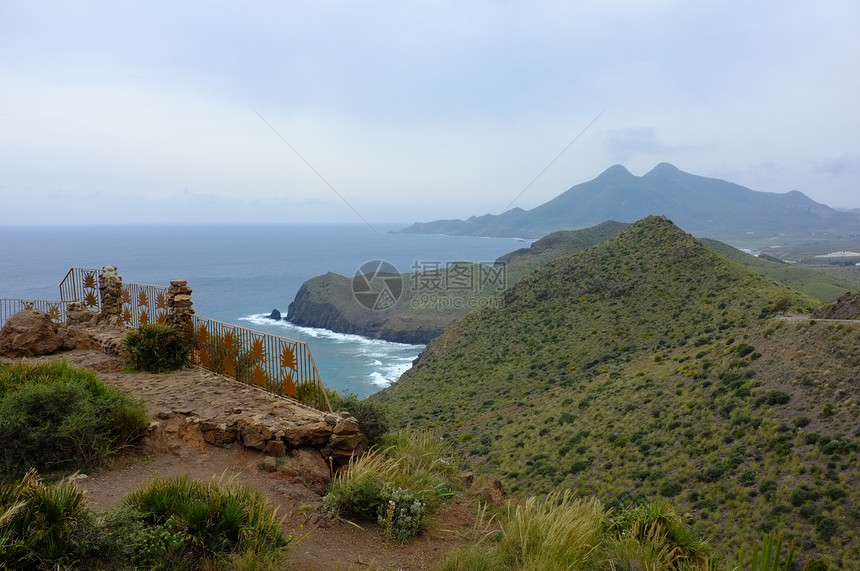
x,y
239,273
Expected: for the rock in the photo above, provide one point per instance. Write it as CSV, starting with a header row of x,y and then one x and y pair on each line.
x,y
275,448
307,434
489,489
308,467
269,464
276,315
252,438
29,333
347,426
218,434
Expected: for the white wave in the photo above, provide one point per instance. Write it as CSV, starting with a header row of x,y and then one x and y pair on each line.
x,y
318,332
380,380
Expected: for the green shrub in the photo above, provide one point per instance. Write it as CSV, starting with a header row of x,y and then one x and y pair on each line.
x,y
214,520
400,512
38,523
156,348
412,472
766,555
53,416
658,527
167,525
370,415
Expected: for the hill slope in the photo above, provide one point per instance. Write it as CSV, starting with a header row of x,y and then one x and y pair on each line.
x,y
650,365
703,206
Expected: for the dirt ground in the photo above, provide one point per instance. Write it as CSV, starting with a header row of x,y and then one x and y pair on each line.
x,y
323,545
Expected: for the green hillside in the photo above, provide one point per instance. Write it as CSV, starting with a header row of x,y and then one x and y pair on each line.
x,y
818,283
562,243
651,366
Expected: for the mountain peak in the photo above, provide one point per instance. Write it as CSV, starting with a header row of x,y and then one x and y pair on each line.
x,y
615,171
663,169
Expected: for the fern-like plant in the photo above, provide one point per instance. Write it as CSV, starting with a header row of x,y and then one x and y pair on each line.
x,y
156,348
766,555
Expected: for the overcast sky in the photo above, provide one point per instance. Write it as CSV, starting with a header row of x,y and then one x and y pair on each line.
x,y
412,111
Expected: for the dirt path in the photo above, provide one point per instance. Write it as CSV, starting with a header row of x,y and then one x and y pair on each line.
x,y
324,546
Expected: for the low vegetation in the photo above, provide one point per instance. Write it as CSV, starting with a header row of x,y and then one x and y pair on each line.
x,y
560,531
56,417
156,348
369,414
396,486
166,525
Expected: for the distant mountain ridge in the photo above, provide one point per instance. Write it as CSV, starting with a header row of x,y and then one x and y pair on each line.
x,y
700,205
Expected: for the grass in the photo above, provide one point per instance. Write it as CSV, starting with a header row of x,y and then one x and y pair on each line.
x,y
396,486
165,525
56,417
560,531
156,348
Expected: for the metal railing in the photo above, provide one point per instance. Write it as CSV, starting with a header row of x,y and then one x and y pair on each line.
x,y
142,304
278,365
281,366
54,308
82,284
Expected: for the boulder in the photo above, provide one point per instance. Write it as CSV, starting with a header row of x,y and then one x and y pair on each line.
x,y
307,434
489,489
276,315
308,467
30,333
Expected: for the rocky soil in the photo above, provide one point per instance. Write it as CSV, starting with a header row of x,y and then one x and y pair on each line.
x,y
182,405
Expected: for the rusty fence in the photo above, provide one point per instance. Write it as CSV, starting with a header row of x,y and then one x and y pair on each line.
x,y
54,308
143,304
278,365
82,284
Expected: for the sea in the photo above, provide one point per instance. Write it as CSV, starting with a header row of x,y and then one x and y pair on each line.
x,y
239,273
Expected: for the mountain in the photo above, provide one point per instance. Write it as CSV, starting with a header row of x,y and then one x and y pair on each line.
x,y
647,366
702,206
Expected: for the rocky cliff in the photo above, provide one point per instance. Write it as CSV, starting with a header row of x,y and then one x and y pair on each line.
x,y
327,302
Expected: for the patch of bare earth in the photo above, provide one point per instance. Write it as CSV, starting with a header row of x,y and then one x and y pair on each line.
x,y
178,449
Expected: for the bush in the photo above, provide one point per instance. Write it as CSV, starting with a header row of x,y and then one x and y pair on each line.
x,y
213,520
156,348
166,525
411,472
659,528
55,416
38,523
371,418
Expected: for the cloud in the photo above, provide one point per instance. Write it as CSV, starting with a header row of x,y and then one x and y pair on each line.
x,y
837,165
623,144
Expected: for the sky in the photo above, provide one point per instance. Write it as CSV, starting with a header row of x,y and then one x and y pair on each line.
x,y
403,111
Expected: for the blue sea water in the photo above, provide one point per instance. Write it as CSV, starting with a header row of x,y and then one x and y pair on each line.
x,y
239,273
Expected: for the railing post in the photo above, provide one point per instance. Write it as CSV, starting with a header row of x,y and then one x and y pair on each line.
x,y
179,309
110,288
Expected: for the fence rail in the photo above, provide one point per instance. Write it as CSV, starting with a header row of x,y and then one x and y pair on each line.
x,y
54,308
142,304
278,365
82,284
